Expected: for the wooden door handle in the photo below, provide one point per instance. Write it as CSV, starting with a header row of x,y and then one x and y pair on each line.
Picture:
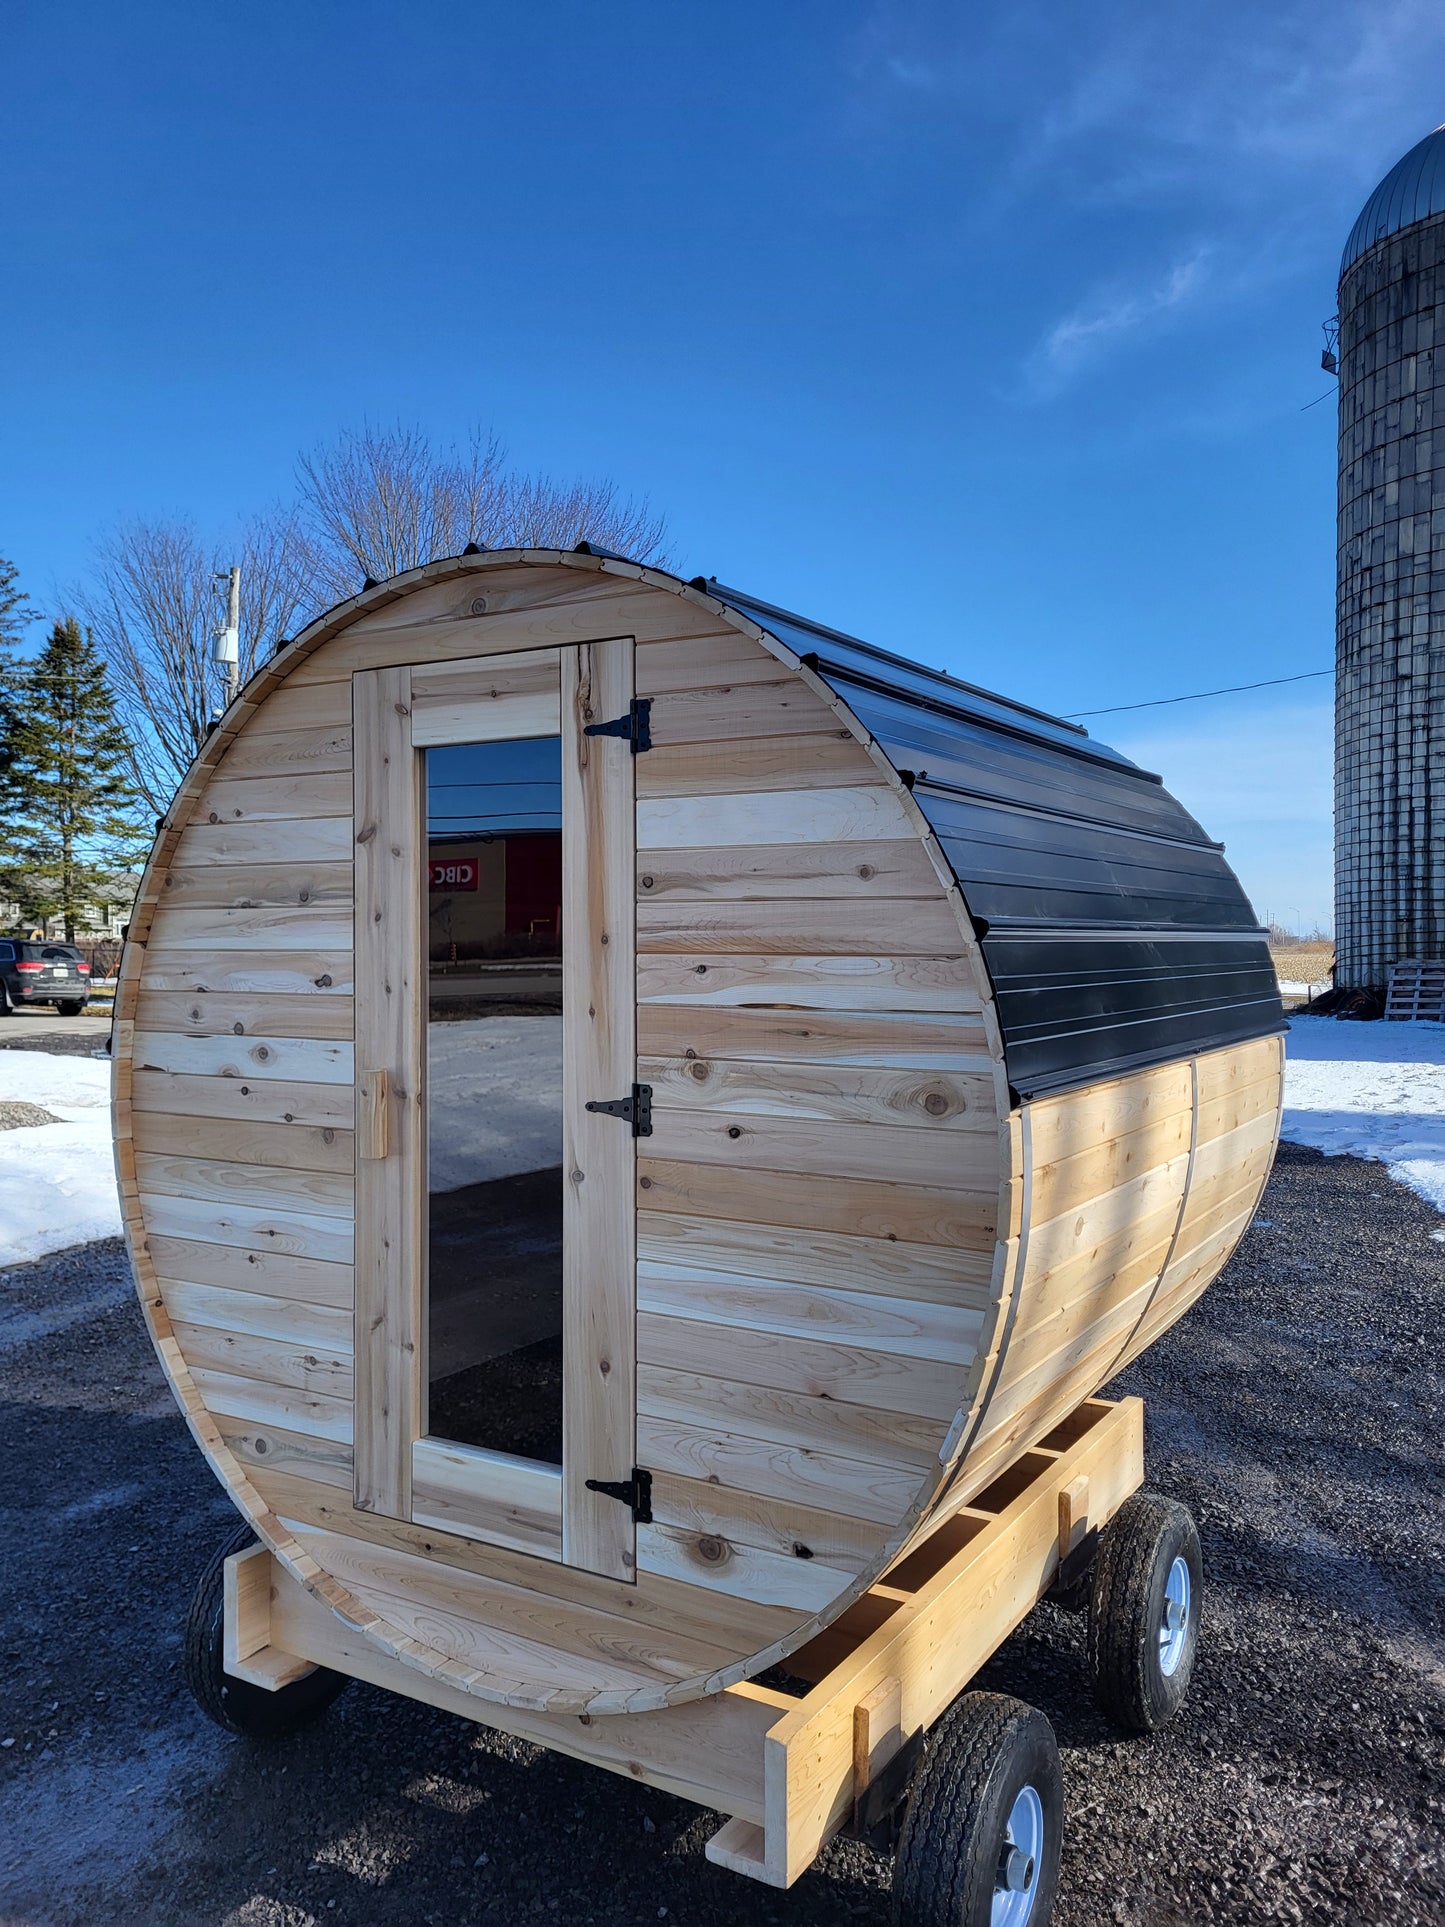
x,y
373,1115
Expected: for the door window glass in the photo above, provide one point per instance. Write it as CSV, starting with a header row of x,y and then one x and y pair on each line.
x,y
494,1095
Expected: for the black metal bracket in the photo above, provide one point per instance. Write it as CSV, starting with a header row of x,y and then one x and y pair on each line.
x,y
878,1810
635,727
635,1492
635,1110
1076,1565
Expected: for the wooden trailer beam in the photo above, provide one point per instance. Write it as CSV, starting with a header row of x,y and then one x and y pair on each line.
x,y
992,1564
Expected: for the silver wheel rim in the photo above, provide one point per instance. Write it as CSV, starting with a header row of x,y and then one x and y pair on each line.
x,y
1174,1625
1016,1879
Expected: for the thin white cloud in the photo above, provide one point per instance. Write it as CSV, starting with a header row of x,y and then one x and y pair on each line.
x,y
1306,98
1240,126
1165,93
1099,323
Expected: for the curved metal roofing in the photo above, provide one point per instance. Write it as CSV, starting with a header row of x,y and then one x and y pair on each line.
x,y
1413,189
1115,933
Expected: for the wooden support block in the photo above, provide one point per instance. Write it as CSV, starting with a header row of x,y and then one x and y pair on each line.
x,y
1073,1513
741,1847
877,1733
248,1652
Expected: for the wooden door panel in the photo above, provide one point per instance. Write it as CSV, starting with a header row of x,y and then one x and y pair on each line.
x,y
398,712
599,1057
390,1190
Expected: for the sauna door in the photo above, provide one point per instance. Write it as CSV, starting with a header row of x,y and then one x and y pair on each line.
x,y
495,1003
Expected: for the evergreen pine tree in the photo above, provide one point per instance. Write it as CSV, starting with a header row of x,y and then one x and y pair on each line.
x,y
15,614
75,821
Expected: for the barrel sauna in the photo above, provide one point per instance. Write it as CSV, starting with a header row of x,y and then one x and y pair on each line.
x,y
632,1108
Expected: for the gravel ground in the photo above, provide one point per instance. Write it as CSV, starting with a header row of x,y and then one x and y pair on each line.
x,y
1296,1411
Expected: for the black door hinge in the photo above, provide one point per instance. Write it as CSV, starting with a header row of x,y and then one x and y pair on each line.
x,y
635,1110
635,727
635,1492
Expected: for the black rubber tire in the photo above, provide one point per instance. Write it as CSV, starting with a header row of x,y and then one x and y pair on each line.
x,y
1140,1544
236,1704
7,1009
979,1757
70,1008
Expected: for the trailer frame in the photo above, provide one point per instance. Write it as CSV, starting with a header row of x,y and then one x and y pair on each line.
x,y
789,1771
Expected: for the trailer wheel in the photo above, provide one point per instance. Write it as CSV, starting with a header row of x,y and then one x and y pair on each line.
x,y
1145,1611
236,1704
984,1827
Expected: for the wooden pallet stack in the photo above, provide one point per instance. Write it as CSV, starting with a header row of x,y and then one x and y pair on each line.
x,y
1417,989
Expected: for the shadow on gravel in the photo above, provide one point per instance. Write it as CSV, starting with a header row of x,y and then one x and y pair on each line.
x,y
1295,1410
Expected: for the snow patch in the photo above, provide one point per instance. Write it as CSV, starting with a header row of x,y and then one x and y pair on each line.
x,y
495,1095
1370,1091
58,1083
95,1503
57,1181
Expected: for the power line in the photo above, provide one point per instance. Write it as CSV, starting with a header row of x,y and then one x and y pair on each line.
x,y
1160,702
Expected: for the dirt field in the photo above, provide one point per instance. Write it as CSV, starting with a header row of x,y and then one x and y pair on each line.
x,y
1302,963
1297,1411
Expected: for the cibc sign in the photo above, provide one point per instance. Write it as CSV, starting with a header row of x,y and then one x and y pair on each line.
x,y
456,873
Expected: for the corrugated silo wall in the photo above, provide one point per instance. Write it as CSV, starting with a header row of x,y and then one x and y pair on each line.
x,y
1390,648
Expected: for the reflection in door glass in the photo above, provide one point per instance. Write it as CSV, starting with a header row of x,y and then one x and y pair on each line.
x,y
494,1095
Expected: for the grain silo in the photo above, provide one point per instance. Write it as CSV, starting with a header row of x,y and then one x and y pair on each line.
x,y
1390,650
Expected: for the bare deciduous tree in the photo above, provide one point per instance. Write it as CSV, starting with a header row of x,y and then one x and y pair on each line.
x,y
380,500
153,605
371,503
543,514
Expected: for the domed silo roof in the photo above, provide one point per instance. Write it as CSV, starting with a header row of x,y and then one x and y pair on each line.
x,y
1413,189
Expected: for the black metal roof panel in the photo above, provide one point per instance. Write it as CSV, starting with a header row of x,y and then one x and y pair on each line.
x,y
1115,933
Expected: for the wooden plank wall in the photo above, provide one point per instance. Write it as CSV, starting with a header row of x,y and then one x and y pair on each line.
x,y
1136,1191
1236,1131
241,1107
818,1203
818,1200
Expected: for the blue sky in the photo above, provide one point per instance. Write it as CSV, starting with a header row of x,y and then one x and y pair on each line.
x,y
985,333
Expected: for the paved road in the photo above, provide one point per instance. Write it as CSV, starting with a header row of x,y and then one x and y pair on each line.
x,y
1297,1411
42,1029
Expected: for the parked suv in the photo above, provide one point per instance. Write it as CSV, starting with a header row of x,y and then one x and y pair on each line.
x,y
42,973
